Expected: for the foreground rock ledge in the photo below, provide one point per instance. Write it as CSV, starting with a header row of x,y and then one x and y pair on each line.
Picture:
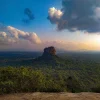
x,y
51,96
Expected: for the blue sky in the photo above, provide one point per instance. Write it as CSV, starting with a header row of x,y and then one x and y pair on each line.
x,y
12,14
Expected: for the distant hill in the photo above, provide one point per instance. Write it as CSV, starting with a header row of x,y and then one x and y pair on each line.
x,y
49,57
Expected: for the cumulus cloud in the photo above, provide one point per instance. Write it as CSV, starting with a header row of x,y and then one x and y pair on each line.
x,y
77,15
3,34
11,35
54,15
5,39
33,38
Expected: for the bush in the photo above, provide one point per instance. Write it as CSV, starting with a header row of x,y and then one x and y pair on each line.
x,y
97,89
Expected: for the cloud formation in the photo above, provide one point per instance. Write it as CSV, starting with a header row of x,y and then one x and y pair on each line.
x,y
5,40
75,15
54,15
14,39
29,14
97,13
12,35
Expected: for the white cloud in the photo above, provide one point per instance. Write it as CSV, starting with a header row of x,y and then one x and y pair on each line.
x,y
53,12
11,35
54,15
3,34
5,39
33,38
16,33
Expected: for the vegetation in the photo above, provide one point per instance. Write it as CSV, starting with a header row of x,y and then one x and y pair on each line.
x,y
13,80
22,79
59,74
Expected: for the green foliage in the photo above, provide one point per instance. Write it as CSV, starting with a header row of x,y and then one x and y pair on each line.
x,y
96,89
22,79
26,79
50,75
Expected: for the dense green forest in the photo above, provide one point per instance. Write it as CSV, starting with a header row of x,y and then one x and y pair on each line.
x,y
62,73
13,80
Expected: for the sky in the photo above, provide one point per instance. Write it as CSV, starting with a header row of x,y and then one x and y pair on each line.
x,y
32,25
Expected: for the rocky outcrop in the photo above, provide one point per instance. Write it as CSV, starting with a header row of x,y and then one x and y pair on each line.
x,y
49,51
49,55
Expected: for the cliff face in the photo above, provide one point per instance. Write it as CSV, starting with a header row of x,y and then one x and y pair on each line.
x,y
49,57
49,51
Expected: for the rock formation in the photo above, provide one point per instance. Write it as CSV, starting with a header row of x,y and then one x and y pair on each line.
x,y
49,57
49,51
